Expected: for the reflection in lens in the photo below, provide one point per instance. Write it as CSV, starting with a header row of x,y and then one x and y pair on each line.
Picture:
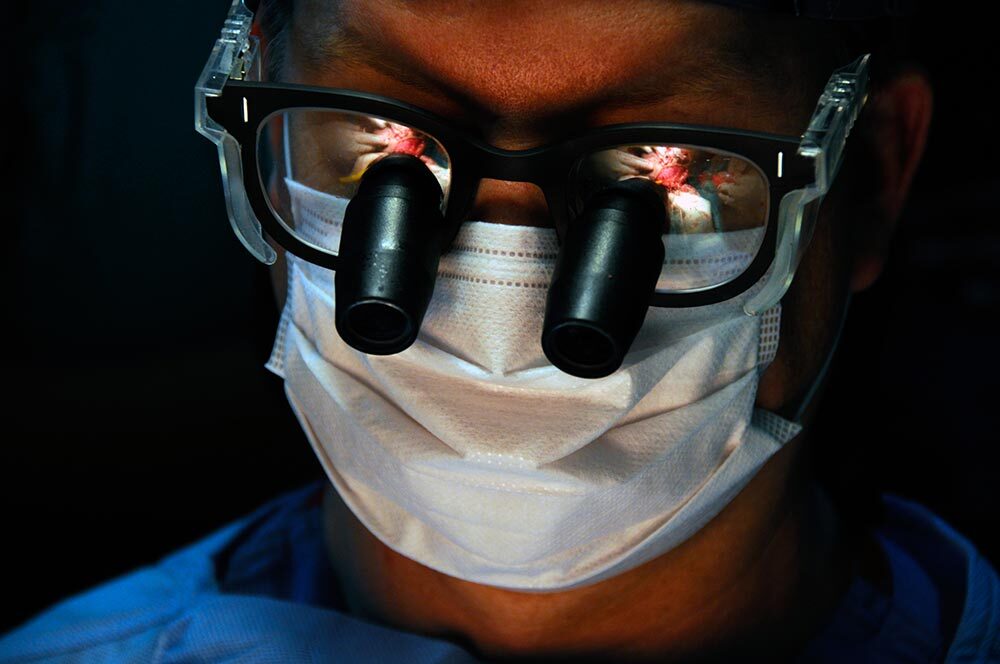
x,y
717,205
312,160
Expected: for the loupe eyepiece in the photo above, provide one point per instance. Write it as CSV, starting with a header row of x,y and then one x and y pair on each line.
x,y
389,252
604,278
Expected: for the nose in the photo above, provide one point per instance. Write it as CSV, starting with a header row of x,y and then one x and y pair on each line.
x,y
512,203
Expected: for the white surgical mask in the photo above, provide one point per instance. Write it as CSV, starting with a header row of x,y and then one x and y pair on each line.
x,y
474,456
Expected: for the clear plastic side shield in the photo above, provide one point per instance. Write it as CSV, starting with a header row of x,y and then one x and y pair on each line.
x,y
838,108
234,56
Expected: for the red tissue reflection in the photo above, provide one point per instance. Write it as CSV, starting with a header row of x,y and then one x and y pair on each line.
x,y
402,140
670,167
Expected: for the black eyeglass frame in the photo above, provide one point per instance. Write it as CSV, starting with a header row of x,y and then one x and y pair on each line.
x,y
231,105
244,107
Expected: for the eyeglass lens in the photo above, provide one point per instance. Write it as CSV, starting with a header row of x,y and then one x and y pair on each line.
x,y
311,161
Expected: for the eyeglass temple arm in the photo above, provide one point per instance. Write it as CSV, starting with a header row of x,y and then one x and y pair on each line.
x,y
836,112
823,142
234,56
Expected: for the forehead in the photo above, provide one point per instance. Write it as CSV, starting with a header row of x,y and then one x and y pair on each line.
x,y
533,61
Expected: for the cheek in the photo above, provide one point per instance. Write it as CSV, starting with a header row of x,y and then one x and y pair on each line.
x,y
279,275
810,315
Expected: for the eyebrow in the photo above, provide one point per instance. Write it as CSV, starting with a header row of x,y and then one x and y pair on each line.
x,y
332,40
737,64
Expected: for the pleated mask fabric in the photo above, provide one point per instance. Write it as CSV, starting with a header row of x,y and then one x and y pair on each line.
x,y
474,456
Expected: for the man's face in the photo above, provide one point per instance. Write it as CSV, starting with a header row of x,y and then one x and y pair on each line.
x,y
523,73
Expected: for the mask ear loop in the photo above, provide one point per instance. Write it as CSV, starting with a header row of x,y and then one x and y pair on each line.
x,y
807,399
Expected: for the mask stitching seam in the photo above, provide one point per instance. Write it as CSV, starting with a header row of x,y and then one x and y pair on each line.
x,y
500,252
310,211
718,260
491,282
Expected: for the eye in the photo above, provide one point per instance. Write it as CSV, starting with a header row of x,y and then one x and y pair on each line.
x,y
717,206
314,160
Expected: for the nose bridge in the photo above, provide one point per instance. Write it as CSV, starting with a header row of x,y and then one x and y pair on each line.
x,y
510,202
515,165
510,188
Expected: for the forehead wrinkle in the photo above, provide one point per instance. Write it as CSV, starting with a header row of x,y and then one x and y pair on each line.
x,y
520,90
322,39
507,59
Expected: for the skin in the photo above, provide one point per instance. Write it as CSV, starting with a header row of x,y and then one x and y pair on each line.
x,y
764,575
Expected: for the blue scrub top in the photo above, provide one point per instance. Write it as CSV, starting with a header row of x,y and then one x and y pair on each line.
x,y
262,590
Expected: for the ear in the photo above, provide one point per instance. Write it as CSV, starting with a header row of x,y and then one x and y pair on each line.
x,y
900,117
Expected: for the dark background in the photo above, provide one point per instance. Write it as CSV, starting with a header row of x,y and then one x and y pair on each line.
x,y
140,416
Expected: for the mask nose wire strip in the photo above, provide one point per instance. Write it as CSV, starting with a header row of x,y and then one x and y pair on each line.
x,y
800,411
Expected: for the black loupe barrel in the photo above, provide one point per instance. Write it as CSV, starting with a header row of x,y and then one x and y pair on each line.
x,y
389,252
604,278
